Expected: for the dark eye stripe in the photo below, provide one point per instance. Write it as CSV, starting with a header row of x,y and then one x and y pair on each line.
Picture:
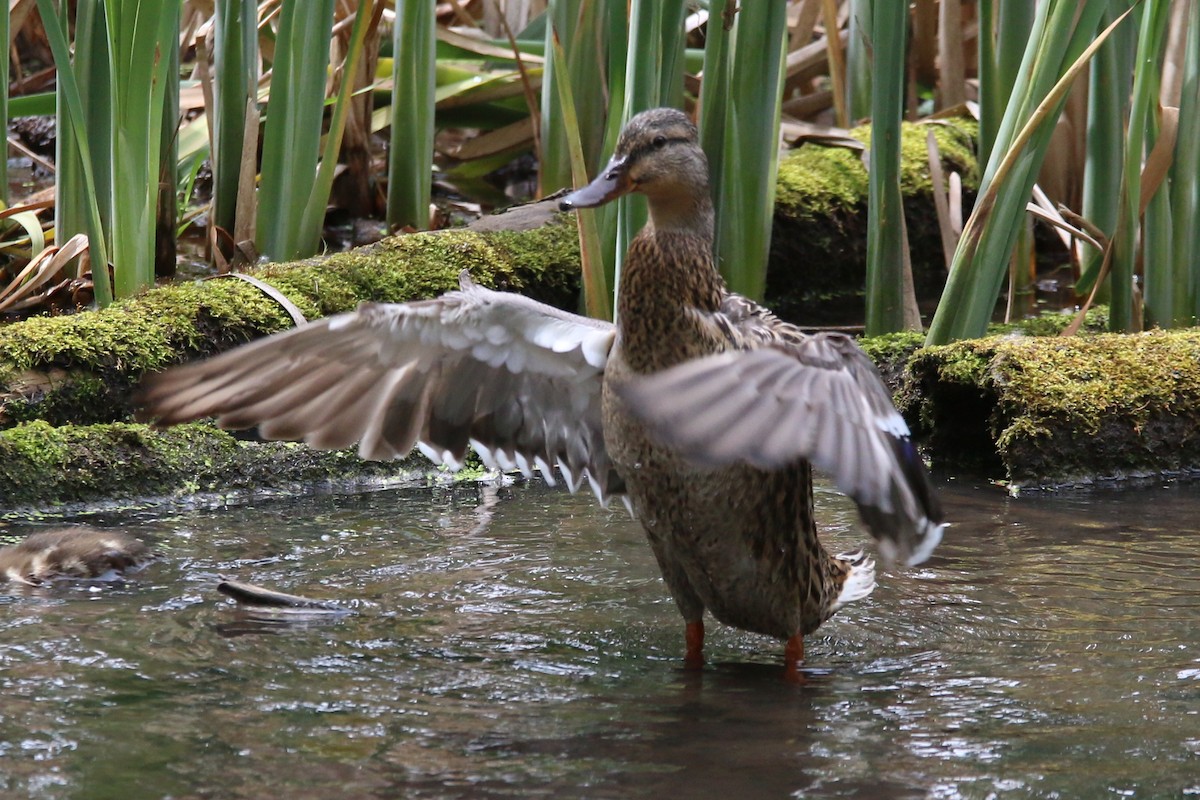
x,y
649,146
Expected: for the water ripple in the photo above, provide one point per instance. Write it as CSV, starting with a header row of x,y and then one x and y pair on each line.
x,y
518,643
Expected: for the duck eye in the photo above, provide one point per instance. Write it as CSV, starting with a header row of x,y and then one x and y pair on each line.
x,y
659,142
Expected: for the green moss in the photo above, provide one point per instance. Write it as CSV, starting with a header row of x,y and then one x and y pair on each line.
x,y
817,181
1058,410
968,362
552,253
818,247
472,469
81,369
891,353
1090,377
892,346
956,146
80,395
35,446
117,339
42,464
152,329
814,181
1053,324
1085,379
964,363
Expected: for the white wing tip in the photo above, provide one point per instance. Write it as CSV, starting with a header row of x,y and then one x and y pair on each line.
x,y
442,458
429,452
894,424
523,465
546,470
485,455
930,538
595,484
595,349
573,481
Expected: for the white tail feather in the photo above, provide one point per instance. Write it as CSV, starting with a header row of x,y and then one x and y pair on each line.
x,y
860,580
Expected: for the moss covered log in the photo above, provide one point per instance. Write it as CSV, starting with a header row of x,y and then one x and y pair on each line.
x,y
819,240
43,465
1054,412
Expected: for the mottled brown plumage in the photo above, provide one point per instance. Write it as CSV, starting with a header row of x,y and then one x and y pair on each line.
x,y
700,408
78,553
738,541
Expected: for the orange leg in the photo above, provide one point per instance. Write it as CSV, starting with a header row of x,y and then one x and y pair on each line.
x,y
793,655
694,636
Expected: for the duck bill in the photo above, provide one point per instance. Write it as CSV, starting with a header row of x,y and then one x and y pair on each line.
x,y
612,182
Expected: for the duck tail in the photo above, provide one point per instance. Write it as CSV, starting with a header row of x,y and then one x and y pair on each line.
x,y
858,580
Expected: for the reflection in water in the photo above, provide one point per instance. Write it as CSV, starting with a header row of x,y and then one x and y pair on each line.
x,y
518,643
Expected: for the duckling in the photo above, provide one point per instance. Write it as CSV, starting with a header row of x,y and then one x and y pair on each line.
x,y
79,553
700,409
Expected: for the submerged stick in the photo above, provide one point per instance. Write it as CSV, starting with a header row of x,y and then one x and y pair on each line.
x,y
249,594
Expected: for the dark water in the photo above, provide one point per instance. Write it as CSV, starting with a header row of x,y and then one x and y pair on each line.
x,y
518,643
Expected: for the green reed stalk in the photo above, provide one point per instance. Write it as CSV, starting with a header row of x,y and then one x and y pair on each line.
x,y
714,91
292,132
554,161
1125,241
235,81
887,254
1158,298
593,35
1063,41
1108,111
313,216
73,203
410,160
858,59
74,148
745,143
139,34
1004,31
595,286
4,113
169,172
1013,25
655,44
1185,186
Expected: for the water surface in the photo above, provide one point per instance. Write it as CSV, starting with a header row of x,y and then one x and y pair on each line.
x,y
519,643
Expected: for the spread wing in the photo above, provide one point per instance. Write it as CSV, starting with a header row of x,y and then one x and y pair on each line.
x,y
518,380
817,398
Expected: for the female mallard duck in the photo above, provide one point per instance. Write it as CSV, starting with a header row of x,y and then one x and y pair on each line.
x,y
72,553
699,407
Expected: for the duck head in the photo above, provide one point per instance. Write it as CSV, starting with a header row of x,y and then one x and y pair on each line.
x,y
658,155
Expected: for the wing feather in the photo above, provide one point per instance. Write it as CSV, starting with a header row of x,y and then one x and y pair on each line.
x,y
518,380
816,398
